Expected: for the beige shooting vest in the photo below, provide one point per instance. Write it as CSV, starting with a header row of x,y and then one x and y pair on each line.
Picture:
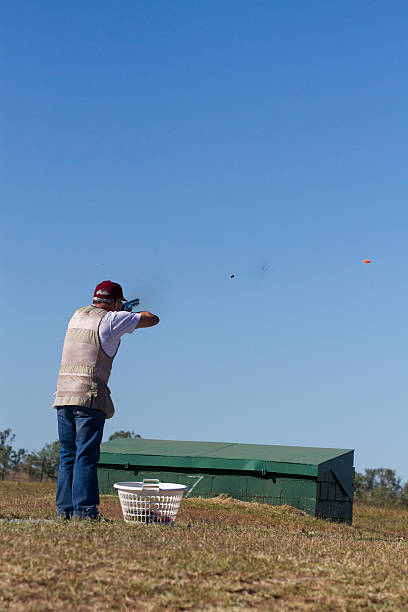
x,y
85,367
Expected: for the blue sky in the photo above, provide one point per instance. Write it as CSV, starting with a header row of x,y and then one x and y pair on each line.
x,y
167,145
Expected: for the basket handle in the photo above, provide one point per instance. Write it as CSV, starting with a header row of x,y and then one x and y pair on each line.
x,y
151,484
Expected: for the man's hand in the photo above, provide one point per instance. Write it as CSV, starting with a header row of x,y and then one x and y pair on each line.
x,y
147,319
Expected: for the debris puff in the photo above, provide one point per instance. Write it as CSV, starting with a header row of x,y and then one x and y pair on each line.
x,y
264,266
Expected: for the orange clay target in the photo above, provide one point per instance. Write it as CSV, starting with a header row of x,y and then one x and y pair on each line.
x,y
366,260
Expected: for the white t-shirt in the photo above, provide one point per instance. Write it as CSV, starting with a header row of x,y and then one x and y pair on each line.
x,y
113,326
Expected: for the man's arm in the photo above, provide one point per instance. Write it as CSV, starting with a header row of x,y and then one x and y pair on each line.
x,y
147,319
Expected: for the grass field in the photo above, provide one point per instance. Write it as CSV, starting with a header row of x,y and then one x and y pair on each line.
x,y
219,555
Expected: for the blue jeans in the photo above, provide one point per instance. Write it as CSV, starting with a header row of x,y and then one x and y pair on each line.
x,y
80,431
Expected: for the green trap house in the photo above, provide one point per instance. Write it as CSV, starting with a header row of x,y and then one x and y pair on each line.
x,y
316,480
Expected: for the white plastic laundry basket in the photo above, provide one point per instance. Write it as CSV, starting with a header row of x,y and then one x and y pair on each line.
x,y
150,501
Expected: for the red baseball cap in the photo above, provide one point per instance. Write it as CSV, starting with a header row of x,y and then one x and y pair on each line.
x,y
109,289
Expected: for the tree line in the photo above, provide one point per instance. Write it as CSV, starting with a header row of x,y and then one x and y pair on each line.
x,y
379,485
41,465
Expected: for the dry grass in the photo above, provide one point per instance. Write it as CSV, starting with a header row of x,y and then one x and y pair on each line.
x,y
219,555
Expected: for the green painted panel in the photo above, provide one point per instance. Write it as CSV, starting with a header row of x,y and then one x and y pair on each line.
x,y
342,468
234,485
219,455
259,452
206,463
335,511
108,477
294,492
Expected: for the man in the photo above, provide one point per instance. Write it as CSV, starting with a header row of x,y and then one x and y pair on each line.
x,y
83,397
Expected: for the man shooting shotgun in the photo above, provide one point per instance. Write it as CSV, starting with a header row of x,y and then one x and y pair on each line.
x,y
83,397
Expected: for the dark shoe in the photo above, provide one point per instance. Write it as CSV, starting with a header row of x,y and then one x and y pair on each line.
x,y
101,519
96,517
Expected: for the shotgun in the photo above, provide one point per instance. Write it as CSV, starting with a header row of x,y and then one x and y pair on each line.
x,y
128,306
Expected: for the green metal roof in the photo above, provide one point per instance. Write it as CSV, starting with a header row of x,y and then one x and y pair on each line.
x,y
222,455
